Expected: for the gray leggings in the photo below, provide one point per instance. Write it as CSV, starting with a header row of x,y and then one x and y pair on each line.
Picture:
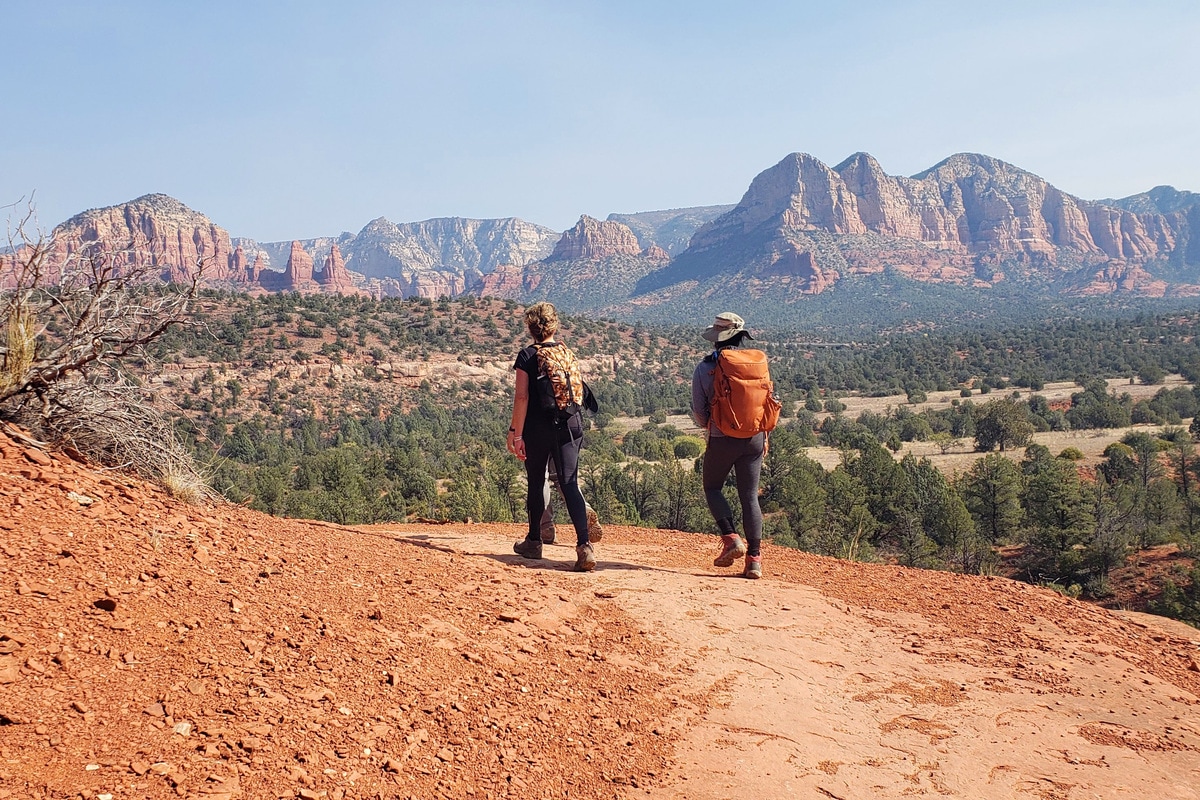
x,y
744,457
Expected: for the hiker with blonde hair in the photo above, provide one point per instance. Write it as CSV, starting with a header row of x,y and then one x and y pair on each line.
x,y
547,424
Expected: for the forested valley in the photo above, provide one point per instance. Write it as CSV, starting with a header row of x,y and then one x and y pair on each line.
x,y
359,411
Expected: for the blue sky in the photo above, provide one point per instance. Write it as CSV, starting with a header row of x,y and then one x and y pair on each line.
x,y
285,120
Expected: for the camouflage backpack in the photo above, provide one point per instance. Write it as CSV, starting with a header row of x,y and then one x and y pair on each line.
x,y
559,383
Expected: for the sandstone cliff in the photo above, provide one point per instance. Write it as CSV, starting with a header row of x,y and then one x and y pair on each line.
x,y
334,276
443,256
434,258
298,276
591,238
971,220
593,264
154,231
275,255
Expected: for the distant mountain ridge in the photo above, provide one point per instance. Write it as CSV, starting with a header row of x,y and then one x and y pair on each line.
x,y
802,228
970,220
429,259
1159,200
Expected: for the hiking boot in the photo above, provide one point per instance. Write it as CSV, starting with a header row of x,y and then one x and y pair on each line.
x,y
547,533
528,548
732,548
585,558
595,532
753,569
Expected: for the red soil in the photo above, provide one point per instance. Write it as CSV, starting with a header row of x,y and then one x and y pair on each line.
x,y
150,648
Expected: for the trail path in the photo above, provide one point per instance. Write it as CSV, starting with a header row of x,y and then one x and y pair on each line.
x,y
823,697
151,649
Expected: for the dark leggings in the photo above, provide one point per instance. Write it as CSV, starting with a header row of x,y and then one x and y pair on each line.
x,y
541,444
744,457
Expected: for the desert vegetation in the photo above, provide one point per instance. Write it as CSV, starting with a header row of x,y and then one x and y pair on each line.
x,y
929,450
76,329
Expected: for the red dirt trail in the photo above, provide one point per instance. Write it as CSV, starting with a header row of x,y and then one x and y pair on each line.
x,y
150,648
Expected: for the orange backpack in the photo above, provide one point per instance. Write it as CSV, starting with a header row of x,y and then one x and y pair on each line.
x,y
744,401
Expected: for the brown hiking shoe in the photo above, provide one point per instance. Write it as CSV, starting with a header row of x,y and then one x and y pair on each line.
x,y
595,531
585,558
753,569
547,533
528,548
732,548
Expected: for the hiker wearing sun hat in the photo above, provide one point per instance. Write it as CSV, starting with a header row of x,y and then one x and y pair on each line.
x,y
727,326
734,401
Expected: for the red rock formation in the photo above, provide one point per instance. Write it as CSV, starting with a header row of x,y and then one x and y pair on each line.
x,y
154,231
505,281
298,276
334,276
656,253
971,215
801,267
256,269
432,284
1125,278
799,193
239,270
591,238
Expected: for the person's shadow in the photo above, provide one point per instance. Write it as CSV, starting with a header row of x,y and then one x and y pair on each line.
x,y
429,542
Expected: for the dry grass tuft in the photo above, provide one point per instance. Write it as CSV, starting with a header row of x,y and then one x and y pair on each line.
x,y
187,487
20,350
116,426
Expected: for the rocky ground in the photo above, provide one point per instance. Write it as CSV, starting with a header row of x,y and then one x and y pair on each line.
x,y
150,648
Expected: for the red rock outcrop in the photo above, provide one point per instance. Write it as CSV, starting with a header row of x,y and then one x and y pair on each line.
x,y
1124,278
419,283
801,269
333,275
299,273
153,231
239,269
505,281
656,253
432,284
968,213
591,238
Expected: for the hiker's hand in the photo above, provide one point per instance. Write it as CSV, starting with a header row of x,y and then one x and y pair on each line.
x,y
516,445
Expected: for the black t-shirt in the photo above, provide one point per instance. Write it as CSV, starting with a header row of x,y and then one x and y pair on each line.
x,y
535,416
527,362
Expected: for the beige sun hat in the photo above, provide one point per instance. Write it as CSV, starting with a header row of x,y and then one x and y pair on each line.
x,y
726,326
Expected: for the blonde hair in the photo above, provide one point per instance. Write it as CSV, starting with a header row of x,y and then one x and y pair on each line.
x,y
542,321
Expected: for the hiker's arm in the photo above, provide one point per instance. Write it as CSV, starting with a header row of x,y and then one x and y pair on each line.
x,y
699,399
516,444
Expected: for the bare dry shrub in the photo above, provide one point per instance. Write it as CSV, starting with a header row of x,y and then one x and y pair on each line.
x,y
77,325
116,425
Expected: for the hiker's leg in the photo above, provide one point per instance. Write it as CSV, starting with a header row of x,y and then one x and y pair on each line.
x,y
718,460
568,481
747,468
537,453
